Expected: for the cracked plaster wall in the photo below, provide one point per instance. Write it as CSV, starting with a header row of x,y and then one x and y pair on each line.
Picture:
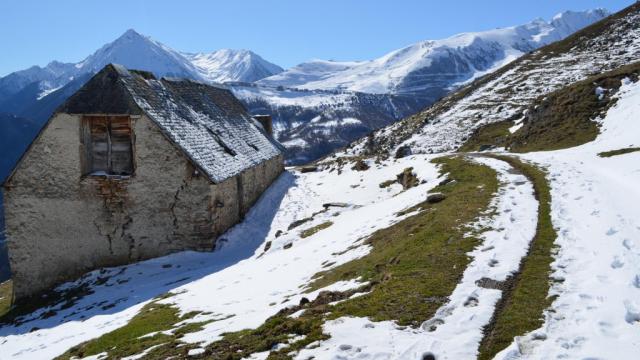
x,y
60,225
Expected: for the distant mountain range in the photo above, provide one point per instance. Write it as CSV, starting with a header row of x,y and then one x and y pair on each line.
x,y
317,106
429,68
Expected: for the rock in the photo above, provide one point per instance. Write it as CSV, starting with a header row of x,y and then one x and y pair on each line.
x,y
297,223
306,169
287,246
387,183
487,283
267,246
428,356
345,347
403,151
445,182
407,178
335,204
435,198
278,233
360,166
485,147
304,301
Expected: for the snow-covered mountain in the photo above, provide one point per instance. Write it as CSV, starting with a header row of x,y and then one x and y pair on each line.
x,y
136,51
507,93
227,65
429,68
311,123
403,81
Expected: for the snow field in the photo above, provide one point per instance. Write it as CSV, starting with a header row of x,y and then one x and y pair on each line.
x,y
595,209
456,329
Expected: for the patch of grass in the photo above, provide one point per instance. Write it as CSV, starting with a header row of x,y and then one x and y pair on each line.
x,y
278,329
493,135
559,120
618,152
312,230
6,297
415,264
142,332
523,302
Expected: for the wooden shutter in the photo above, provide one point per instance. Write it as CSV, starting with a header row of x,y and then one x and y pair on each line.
x,y
108,144
99,144
121,152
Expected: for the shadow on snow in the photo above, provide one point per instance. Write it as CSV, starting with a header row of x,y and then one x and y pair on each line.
x,y
112,290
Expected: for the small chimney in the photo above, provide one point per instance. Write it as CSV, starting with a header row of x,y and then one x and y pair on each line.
x,y
265,121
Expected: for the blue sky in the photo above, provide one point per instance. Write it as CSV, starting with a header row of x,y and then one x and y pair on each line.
x,y
285,32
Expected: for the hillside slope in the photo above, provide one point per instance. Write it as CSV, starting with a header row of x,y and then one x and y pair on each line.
x,y
508,92
427,256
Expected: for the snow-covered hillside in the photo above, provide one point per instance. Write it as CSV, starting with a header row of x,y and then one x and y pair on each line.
x,y
435,64
507,93
226,65
261,267
312,123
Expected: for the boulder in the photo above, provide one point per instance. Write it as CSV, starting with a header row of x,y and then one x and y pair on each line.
x,y
360,166
306,169
407,178
335,204
435,198
403,151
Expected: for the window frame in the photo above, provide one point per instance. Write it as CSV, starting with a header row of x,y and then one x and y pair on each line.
x,y
86,145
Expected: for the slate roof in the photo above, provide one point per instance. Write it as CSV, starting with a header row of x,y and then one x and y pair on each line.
x,y
206,122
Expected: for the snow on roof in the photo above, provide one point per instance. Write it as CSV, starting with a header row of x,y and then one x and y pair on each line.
x,y
207,123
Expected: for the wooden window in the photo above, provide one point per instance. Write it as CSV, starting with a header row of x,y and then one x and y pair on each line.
x,y
108,145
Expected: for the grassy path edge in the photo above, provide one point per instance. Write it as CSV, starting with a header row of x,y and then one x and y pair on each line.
x,y
525,298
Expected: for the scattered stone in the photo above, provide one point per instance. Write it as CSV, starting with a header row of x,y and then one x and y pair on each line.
x,y
487,283
287,246
428,356
445,181
435,198
267,246
306,169
360,166
387,183
407,178
335,204
297,223
403,151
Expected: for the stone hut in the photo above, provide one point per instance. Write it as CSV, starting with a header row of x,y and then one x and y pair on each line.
x,y
130,168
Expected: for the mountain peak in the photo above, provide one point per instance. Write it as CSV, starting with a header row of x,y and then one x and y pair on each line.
x,y
225,65
132,33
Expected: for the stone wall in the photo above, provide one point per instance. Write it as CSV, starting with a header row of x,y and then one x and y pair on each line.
x,y
233,198
60,225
